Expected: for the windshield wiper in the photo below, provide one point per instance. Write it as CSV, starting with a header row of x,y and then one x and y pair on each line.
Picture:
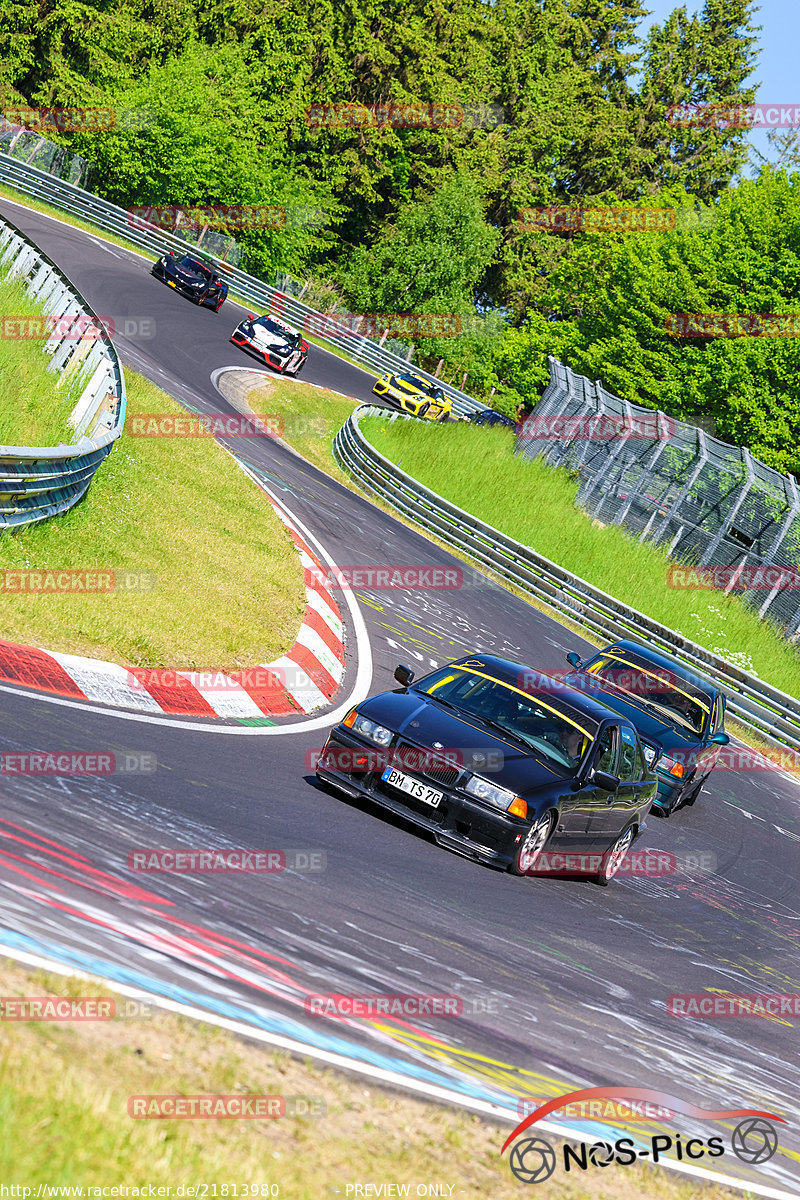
x,y
443,702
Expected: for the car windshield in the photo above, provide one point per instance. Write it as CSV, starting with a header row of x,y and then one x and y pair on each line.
x,y
190,266
430,389
672,697
270,331
550,728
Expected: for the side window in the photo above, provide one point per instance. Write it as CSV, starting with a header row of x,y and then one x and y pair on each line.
x,y
717,716
607,754
627,766
641,765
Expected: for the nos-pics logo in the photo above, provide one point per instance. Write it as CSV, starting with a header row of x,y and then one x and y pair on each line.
x,y
533,1160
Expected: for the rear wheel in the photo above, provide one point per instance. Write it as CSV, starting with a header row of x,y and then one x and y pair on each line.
x,y
614,858
531,846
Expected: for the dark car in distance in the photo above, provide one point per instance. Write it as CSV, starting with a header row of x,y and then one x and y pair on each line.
x,y
490,417
497,764
680,716
192,277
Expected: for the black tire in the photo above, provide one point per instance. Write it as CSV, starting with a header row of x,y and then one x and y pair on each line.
x,y
423,410
693,795
615,856
533,843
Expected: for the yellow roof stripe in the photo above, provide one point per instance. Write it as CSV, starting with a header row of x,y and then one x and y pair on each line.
x,y
626,662
527,695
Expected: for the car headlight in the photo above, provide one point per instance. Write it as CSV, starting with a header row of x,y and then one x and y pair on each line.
x,y
670,766
650,754
368,729
490,792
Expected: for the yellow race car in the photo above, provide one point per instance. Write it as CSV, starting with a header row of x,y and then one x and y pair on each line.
x,y
415,394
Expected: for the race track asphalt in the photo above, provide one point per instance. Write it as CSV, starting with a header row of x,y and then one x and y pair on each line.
x,y
575,978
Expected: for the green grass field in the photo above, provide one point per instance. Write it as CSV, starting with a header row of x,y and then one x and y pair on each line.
x,y
33,411
229,591
534,503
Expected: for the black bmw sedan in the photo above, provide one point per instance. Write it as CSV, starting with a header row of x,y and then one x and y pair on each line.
x,y
497,764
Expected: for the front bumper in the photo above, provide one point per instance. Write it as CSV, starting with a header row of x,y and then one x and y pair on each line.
x,y
459,823
284,366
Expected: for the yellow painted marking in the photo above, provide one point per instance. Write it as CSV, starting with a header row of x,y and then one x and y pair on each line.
x,y
626,663
529,697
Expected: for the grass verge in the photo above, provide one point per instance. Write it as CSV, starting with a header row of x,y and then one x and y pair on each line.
x,y
227,592
535,504
64,1092
308,418
33,410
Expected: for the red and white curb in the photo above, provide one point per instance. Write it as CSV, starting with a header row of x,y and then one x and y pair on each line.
x,y
301,681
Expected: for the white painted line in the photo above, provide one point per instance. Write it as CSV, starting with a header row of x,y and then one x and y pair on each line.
x,y
309,638
321,606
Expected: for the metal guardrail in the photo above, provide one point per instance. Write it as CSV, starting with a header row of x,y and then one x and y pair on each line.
x,y
70,198
709,504
38,482
756,705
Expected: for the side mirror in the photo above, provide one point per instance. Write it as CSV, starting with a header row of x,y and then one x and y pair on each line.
x,y
606,781
719,739
574,659
403,675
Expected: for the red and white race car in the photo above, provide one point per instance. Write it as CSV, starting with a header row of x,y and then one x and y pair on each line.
x,y
272,341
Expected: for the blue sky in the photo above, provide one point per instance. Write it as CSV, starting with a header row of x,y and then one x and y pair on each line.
x,y
776,69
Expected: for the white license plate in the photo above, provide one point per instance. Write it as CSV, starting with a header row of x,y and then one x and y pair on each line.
x,y
405,783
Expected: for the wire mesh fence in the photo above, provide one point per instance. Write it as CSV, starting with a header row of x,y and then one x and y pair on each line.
x,y
712,506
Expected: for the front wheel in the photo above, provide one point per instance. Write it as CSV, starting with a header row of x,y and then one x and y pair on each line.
x,y
531,846
423,409
614,858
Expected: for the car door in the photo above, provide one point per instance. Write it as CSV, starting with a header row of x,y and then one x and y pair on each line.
x,y
612,817
708,753
583,811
